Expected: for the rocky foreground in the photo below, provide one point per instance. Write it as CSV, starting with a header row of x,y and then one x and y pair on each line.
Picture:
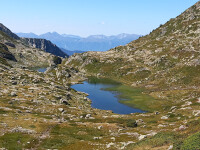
x,y
38,111
41,111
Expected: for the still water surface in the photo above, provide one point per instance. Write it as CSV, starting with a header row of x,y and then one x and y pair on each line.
x,y
105,100
41,69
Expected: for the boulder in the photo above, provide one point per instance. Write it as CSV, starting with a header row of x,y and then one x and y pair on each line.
x,y
196,113
13,94
139,122
141,137
182,127
164,117
61,109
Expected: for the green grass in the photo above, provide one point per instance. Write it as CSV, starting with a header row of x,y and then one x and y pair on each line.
x,y
62,136
95,80
4,62
130,96
17,141
160,139
3,111
135,97
192,142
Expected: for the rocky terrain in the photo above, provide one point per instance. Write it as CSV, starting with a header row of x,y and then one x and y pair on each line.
x,y
27,52
45,45
41,111
166,63
15,52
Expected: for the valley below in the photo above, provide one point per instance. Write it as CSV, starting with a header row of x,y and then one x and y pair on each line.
x,y
141,96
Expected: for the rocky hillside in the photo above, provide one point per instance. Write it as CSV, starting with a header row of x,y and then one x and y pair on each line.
x,y
42,111
166,63
45,45
14,51
168,57
8,32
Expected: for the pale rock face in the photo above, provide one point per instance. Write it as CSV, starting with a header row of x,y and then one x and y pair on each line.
x,y
110,144
88,116
198,100
182,127
187,104
99,127
22,130
13,94
170,147
61,109
45,45
141,137
196,113
164,117
139,122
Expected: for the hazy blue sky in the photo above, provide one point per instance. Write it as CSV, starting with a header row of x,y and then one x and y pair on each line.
x,y
88,17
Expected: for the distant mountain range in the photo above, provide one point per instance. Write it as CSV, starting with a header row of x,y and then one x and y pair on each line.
x,y
90,43
68,52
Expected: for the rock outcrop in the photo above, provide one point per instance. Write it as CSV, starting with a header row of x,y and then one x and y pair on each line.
x,y
8,32
45,45
5,53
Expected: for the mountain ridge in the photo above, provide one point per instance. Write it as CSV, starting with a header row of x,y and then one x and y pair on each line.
x,y
35,43
90,43
45,45
16,51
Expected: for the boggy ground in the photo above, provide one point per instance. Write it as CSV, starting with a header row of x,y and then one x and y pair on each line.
x,y
41,111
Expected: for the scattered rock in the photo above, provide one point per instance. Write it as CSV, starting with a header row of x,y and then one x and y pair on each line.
x,y
88,116
110,144
99,127
97,138
182,127
61,109
141,137
112,138
170,147
22,130
13,94
151,134
187,104
196,113
139,122
164,117
198,100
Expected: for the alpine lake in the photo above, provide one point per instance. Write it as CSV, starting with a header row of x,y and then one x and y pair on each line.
x,y
107,94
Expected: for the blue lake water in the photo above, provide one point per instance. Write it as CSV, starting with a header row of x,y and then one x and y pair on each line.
x,y
105,100
41,69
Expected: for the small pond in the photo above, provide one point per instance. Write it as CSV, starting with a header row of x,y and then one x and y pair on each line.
x,y
39,69
105,99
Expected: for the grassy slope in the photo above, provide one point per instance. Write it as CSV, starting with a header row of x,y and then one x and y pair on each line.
x,y
165,62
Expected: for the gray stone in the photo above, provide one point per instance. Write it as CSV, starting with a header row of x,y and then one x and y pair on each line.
x,y
61,109
139,122
164,117
13,94
141,137
182,127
